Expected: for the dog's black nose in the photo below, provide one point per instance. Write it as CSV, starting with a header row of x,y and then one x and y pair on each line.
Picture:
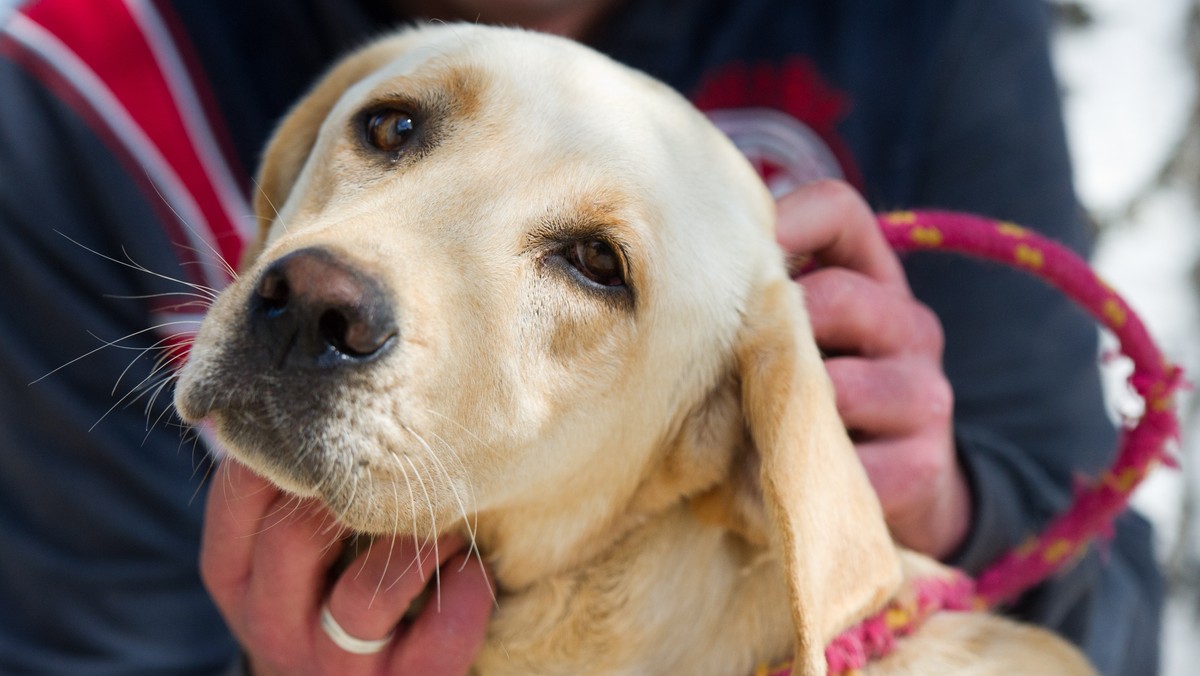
x,y
313,309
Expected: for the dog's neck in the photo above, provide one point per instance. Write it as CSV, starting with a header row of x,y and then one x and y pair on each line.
x,y
669,575
526,544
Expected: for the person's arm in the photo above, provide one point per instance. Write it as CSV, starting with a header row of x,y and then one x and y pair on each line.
x,y
1029,412
1022,359
99,509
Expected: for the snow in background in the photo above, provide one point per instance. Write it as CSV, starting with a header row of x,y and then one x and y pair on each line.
x,y
1130,95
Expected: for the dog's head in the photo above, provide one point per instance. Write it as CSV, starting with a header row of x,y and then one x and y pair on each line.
x,y
501,275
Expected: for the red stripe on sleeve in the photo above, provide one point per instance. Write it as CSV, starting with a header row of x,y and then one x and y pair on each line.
x,y
105,36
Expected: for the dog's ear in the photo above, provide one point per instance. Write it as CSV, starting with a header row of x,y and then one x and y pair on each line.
x,y
824,517
295,136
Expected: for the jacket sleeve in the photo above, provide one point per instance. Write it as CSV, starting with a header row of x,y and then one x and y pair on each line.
x,y
100,493
1030,417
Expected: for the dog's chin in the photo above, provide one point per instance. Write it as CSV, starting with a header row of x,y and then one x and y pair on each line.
x,y
262,450
364,501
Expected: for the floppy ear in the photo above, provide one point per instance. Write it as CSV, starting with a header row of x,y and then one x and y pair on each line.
x,y
825,519
294,138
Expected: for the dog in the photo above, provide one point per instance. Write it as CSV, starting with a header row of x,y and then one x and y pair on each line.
x,y
508,288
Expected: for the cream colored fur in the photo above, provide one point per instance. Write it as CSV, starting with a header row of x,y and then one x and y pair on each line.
x,y
660,483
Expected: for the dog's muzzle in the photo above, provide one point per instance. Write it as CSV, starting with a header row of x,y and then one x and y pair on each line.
x,y
312,309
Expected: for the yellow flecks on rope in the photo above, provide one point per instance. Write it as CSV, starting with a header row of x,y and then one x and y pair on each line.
x,y
1114,313
1057,551
1026,548
1123,482
1161,398
1029,256
926,236
896,618
901,218
1011,229
763,669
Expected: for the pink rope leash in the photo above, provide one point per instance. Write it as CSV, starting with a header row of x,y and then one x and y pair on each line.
x,y
1098,503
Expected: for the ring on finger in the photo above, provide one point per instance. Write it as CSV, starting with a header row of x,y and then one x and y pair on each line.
x,y
344,640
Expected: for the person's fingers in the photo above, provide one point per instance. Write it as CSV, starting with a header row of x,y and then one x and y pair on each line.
x,y
830,221
237,502
376,589
881,398
298,544
922,489
454,621
853,313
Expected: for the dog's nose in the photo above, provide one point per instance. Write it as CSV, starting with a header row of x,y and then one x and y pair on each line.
x,y
313,309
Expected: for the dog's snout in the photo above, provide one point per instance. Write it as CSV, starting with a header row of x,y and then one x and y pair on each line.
x,y
313,308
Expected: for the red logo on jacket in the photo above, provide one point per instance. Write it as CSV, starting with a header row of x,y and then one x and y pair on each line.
x,y
783,117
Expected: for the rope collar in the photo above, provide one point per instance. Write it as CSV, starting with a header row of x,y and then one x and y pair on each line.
x,y
1097,503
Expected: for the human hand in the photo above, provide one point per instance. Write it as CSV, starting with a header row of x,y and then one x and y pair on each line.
x,y
266,559
883,352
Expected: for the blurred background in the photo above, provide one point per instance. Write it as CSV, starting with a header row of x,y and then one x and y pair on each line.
x,y
1129,71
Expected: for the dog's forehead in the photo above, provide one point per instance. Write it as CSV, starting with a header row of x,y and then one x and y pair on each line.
x,y
544,88
631,137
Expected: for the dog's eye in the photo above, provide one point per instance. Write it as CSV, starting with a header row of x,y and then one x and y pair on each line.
x,y
598,261
389,129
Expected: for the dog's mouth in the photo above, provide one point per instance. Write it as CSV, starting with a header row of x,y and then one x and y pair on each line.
x,y
316,435
266,435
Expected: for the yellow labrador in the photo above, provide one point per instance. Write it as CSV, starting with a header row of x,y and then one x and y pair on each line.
x,y
506,285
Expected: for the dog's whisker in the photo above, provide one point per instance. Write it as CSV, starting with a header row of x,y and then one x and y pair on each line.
x,y
437,576
387,563
450,483
224,265
202,302
162,373
412,498
428,501
164,344
469,432
265,196
116,343
470,521
348,477
166,410
282,512
419,477
132,396
366,555
184,222
209,467
134,265
391,541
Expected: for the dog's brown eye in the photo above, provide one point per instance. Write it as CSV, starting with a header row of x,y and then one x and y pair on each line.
x,y
388,129
596,260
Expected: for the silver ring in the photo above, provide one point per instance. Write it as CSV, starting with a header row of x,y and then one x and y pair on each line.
x,y
345,641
